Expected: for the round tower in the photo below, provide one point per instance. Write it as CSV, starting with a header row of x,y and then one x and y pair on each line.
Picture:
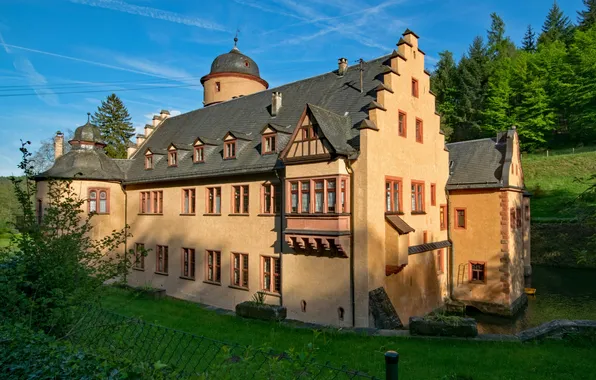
x,y
232,75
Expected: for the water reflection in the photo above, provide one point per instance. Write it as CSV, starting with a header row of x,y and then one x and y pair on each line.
x,y
562,293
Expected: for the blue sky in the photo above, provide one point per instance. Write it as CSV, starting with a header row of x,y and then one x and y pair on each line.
x,y
135,48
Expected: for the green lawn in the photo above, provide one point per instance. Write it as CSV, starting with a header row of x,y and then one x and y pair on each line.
x,y
554,182
419,358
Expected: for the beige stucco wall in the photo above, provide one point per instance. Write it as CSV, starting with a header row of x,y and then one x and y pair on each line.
x,y
230,86
252,234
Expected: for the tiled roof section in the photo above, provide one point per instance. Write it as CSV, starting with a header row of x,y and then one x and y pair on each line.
x,y
428,247
248,115
399,224
476,164
85,164
336,128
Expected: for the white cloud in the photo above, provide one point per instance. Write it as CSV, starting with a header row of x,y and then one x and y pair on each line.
x,y
154,13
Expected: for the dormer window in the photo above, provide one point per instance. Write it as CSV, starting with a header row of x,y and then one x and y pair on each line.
x,y
269,143
229,150
199,154
148,161
172,158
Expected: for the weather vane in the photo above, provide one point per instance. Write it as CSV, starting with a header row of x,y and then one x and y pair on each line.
x,y
236,38
88,116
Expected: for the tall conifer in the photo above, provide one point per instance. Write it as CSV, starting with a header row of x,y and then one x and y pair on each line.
x,y
115,125
529,42
587,17
556,27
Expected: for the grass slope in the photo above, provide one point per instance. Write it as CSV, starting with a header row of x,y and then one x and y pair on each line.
x,y
554,182
419,358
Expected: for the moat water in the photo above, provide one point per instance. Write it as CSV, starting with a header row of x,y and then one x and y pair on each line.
x,y
561,293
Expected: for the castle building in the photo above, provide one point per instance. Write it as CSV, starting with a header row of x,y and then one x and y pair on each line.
x,y
335,195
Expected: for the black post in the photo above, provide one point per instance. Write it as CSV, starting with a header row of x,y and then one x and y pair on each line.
x,y
391,360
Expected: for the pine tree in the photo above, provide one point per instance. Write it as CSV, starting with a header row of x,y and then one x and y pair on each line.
x,y
556,27
113,121
498,44
444,85
529,42
587,17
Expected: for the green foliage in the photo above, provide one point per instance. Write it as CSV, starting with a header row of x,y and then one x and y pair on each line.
x,y
259,298
115,125
448,319
556,27
55,268
587,17
529,42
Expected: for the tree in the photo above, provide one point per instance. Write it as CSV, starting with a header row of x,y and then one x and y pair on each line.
x,y
497,110
113,120
587,17
444,85
43,158
556,27
529,42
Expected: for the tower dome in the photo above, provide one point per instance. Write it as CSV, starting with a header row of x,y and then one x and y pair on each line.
x,y
232,75
87,136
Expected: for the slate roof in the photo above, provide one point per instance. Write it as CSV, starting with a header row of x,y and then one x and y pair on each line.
x,y
399,224
477,164
86,164
428,247
234,62
336,99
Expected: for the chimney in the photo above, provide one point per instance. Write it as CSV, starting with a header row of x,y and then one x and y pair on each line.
x,y
131,149
164,114
58,145
343,66
275,102
149,130
140,139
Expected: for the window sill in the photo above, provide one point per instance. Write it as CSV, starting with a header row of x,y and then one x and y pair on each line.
x,y
211,214
270,293
278,214
394,213
139,269
238,287
182,214
316,215
212,283
99,213
418,213
161,213
161,273
242,214
188,278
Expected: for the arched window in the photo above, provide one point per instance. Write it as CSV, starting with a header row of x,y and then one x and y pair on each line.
x,y
103,201
99,201
93,201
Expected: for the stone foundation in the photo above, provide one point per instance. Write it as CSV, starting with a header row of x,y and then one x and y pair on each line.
x,y
497,308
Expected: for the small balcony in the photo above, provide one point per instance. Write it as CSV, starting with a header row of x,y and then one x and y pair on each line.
x,y
324,235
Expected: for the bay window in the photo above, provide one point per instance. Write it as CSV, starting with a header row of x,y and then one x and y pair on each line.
x,y
322,191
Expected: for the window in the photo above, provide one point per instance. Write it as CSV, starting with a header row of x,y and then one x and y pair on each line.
x,y
39,211
331,195
477,272
149,161
527,212
305,198
217,86
271,201
319,196
229,150
188,201
139,256
393,188
402,124
419,131
199,154
308,133
188,263
173,158
213,267
151,202
417,197
424,237
99,201
271,281
240,270
342,204
214,200
460,218
415,87
161,265
294,196
518,217
440,261
443,217
240,201
433,194
269,144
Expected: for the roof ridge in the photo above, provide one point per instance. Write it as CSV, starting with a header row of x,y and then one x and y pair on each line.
x,y
469,141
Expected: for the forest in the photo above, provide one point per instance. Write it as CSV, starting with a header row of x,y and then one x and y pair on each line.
x,y
546,86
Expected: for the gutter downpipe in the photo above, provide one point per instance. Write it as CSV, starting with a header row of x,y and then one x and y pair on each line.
x,y
282,218
451,251
352,290
123,188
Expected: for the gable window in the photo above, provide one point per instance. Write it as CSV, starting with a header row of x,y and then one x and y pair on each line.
x,y
188,263
149,161
443,217
417,197
151,202
240,270
173,158
270,280
308,133
271,201
199,154
213,267
99,201
393,188
217,86
229,150
161,256
188,201
240,201
460,218
414,87
477,272
419,131
214,200
440,261
402,124
139,256
433,194
269,144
